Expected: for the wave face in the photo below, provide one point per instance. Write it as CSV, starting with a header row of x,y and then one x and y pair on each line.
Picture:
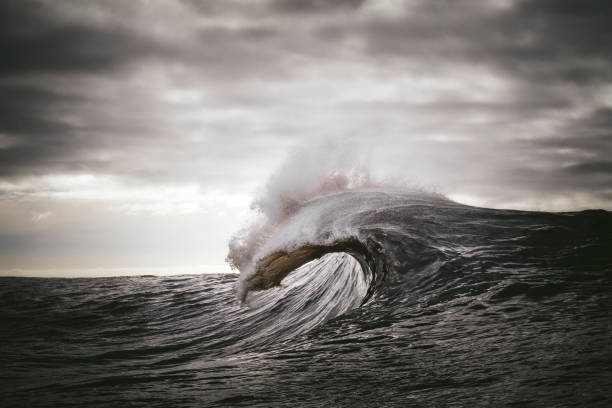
x,y
369,297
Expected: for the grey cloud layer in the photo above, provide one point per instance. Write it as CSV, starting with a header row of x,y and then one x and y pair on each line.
x,y
208,91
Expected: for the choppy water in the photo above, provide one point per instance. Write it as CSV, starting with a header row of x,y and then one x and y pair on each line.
x,y
440,304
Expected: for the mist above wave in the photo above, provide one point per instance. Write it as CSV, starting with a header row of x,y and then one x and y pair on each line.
x,y
309,172
295,210
279,204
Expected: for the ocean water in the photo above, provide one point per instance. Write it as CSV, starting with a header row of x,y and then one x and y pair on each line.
x,y
386,298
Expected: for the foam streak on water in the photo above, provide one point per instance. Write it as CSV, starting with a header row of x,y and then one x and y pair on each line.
x,y
372,297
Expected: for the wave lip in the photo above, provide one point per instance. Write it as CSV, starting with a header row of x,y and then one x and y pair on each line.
x,y
272,269
340,222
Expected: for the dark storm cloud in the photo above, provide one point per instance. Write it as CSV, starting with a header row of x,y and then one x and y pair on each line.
x,y
581,145
41,142
604,167
301,6
53,130
578,155
589,136
66,49
32,40
40,159
566,39
84,84
600,120
37,47
587,145
25,111
545,40
504,103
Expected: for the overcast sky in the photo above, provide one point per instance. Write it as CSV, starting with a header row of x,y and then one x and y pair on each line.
x,y
135,134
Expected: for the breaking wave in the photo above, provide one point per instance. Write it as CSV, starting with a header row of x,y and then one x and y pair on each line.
x,y
351,293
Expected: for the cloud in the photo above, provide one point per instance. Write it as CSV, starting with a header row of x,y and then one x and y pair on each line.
x,y
34,40
301,6
600,167
214,92
585,138
155,122
549,41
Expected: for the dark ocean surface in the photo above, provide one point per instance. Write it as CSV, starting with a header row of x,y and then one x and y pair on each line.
x,y
438,304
